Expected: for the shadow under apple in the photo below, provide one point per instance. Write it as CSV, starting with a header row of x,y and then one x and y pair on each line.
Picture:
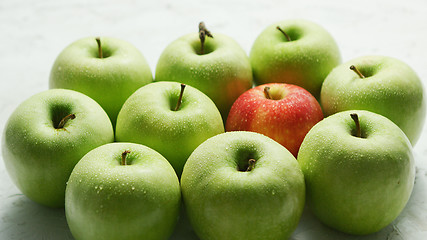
x,y
25,219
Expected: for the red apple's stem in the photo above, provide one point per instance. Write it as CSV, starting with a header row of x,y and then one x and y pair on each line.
x,y
98,40
354,68
284,33
267,92
355,118
65,120
203,32
124,154
178,104
251,164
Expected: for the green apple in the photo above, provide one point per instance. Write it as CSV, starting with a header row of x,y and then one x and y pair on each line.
x,y
379,84
294,51
243,185
106,69
122,191
46,136
172,121
359,171
221,70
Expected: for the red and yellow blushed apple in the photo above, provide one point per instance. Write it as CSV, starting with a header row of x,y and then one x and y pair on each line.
x,y
283,112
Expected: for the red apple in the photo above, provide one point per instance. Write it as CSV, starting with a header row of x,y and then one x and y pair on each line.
x,y
283,112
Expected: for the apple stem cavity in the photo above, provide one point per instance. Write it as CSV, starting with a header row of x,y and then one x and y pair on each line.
x,y
267,92
354,68
203,32
178,104
251,165
284,33
355,118
98,41
124,154
65,120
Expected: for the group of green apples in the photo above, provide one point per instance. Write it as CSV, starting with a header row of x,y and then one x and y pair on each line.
x,y
121,151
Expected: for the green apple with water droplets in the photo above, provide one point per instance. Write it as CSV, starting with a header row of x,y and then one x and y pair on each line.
x,y
359,171
46,136
216,65
294,51
243,185
171,118
106,69
379,84
122,191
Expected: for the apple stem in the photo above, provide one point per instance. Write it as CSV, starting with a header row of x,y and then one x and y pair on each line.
x,y
65,120
354,68
267,92
355,118
178,104
284,33
124,154
251,164
98,40
203,32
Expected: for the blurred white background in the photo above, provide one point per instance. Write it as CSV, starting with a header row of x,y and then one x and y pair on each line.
x,y
32,33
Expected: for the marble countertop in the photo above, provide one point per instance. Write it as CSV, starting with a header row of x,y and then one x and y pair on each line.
x,y
34,32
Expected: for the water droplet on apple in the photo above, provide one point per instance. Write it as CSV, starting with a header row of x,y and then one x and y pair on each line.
x,y
273,192
133,188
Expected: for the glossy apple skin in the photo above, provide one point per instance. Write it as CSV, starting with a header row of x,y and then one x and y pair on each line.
x,y
223,73
38,157
110,80
224,203
357,185
305,61
106,200
148,118
390,88
286,120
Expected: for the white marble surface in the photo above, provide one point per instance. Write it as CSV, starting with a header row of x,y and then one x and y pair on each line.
x,y
34,32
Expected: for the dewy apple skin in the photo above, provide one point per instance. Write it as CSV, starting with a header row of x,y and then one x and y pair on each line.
x,y
359,171
294,51
380,84
221,70
243,185
152,117
46,136
106,69
122,191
